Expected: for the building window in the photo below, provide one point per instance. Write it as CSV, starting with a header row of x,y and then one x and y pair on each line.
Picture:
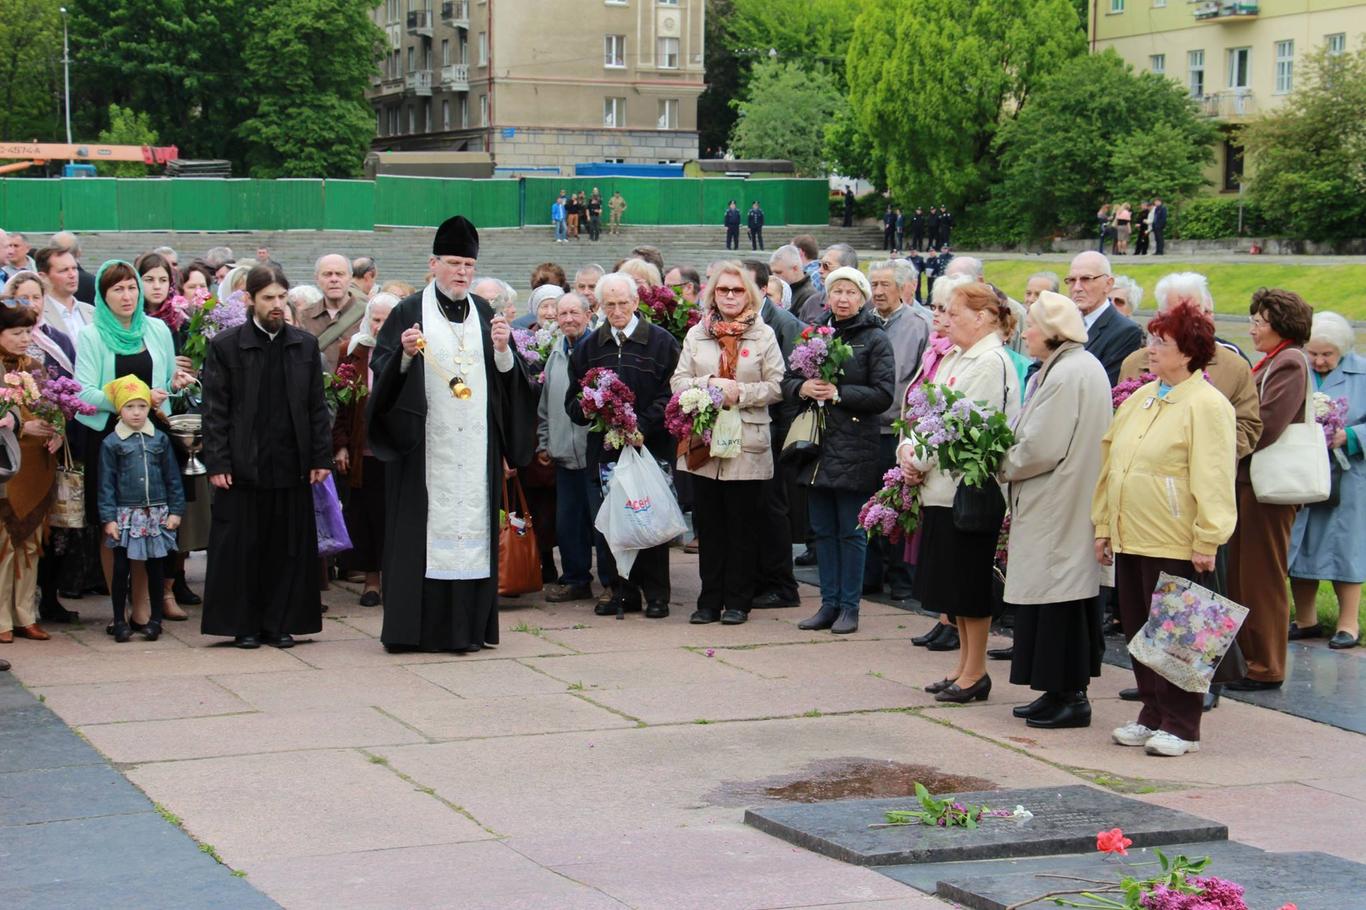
x,y
445,52
1233,166
1158,4
615,2
412,119
464,48
483,48
668,2
614,51
1239,68
614,112
1285,67
412,51
1116,7
483,110
1337,44
666,52
668,114
445,115
1158,64
1195,64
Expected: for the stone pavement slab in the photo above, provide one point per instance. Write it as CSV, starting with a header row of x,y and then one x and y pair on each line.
x,y
489,679
153,699
1065,820
65,793
290,804
656,668
326,690
527,715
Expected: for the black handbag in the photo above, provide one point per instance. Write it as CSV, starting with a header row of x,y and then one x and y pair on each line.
x,y
1334,488
979,510
802,447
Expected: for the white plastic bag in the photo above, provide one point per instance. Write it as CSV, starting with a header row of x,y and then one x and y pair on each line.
x,y
639,509
726,434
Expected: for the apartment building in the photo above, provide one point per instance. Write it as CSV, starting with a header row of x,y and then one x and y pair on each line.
x,y
1237,58
541,83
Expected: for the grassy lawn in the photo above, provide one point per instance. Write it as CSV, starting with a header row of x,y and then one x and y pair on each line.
x,y
1327,605
1340,288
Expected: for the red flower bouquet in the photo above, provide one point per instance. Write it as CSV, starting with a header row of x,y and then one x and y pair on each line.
x,y
612,406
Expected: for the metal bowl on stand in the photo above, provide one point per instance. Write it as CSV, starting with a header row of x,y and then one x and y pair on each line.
x,y
187,433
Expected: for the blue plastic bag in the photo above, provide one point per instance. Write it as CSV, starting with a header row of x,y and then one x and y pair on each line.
x,y
327,513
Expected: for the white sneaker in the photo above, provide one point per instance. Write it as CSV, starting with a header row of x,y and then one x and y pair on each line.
x,y
1134,734
1163,743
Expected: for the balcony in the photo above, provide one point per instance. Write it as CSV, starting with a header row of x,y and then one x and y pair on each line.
x,y
418,83
456,13
1223,10
455,77
1235,104
420,22
387,85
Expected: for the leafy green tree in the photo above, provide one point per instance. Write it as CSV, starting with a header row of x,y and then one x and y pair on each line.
x,y
932,81
784,116
30,70
1096,131
851,151
1308,157
307,64
126,127
715,113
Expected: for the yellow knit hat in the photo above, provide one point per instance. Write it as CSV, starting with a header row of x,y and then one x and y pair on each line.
x,y
125,389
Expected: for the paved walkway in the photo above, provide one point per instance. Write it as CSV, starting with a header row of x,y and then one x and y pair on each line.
x,y
587,762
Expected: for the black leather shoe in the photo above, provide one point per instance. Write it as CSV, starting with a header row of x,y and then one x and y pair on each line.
x,y
1063,716
656,609
1041,705
955,694
733,617
54,612
248,642
901,594
4,665
1128,694
1252,685
183,595
936,687
620,603
1001,653
773,601
133,626
703,617
1298,632
846,624
152,631
921,641
369,599
121,632
568,593
806,559
824,618
1342,640
1211,699
947,641
284,640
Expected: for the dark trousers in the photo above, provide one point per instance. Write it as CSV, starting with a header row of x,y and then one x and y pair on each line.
x,y
574,517
594,227
840,546
885,562
728,548
918,240
756,238
1157,240
649,575
733,237
1166,707
889,238
775,529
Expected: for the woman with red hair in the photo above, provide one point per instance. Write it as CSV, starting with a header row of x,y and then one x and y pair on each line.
x,y
1164,502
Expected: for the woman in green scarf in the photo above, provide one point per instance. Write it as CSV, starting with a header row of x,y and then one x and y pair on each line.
x,y
122,341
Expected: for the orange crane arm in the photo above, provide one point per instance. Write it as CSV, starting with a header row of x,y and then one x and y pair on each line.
x,y
50,151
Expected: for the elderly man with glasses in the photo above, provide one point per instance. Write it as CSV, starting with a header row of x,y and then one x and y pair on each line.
x,y
1110,335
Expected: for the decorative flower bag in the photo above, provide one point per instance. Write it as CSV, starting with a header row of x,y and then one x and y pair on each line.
x,y
327,514
726,433
1189,630
519,555
1293,470
68,505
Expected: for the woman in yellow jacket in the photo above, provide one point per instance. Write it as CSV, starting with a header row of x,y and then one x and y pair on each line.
x,y
1164,502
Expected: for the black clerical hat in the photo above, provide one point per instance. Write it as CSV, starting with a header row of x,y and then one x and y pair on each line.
x,y
456,237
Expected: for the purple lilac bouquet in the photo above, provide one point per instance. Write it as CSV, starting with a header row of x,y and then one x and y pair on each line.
x,y
612,406
693,412
819,354
535,347
1331,414
893,512
211,317
59,401
966,437
666,308
1121,392
1211,893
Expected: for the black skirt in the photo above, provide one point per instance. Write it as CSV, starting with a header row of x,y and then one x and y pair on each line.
x,y
1058,646
365,518
954,573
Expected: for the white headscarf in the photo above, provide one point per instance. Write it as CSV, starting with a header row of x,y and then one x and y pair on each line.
x,y
363,335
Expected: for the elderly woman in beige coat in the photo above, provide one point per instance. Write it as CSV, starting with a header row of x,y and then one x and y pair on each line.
x,y
1053,579
732,350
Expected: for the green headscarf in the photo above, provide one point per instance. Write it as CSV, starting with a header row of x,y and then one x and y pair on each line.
x,y
112,333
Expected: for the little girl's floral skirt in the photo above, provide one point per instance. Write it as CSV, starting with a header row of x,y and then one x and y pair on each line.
x,y
143,532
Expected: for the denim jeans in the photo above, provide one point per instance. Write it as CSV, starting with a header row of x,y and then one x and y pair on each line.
x,y
574,525
840,546
561,231
592,493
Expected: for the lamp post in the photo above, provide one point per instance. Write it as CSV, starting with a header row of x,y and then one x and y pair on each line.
x,y
66,75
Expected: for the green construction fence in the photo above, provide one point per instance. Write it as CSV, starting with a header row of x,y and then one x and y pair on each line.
x,y
161,204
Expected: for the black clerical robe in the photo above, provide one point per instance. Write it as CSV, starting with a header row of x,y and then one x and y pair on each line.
x,y
265,424
423,613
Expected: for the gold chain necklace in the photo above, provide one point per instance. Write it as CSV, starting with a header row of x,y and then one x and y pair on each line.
x,y
454,381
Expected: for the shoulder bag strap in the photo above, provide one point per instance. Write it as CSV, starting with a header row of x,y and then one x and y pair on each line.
x,y
339,327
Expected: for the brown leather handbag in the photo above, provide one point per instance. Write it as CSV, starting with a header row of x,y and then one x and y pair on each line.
x,y
519,558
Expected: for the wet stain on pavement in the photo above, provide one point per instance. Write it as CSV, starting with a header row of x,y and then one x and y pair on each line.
x,y
847,778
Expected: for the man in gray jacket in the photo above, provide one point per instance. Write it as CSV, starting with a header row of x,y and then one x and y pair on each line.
x,y
565,444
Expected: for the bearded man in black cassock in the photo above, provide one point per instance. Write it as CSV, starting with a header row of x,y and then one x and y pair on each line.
x,y
267,438
451,399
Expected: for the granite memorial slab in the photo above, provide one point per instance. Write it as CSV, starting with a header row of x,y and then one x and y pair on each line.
x,y
1311,881
1065,820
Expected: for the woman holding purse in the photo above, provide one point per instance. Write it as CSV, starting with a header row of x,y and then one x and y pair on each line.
x,y
732,350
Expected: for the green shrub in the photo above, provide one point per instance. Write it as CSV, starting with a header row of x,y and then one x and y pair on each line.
x,y
1216,217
